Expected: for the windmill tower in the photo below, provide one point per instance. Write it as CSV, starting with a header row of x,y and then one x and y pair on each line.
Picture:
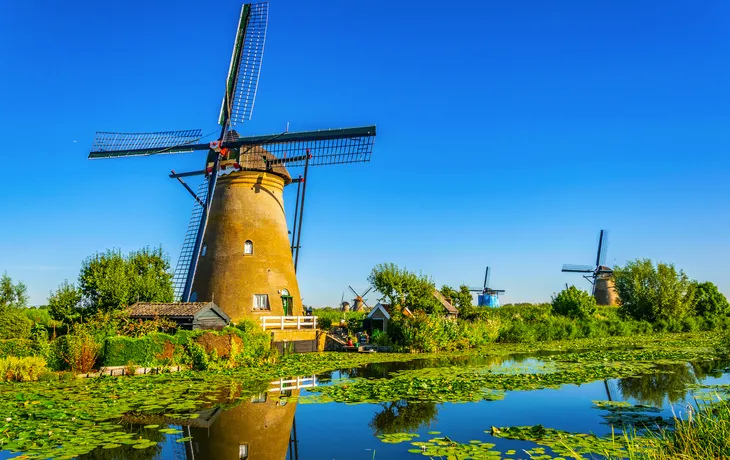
x,y
487,297
344,306
237,251
600,276
358,303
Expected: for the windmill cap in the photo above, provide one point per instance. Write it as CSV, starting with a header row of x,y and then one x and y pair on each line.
x,y
252,159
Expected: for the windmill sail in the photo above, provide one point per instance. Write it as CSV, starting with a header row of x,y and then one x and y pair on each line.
x,y
323,147
602,248
114,145
186,253
578,268
245,67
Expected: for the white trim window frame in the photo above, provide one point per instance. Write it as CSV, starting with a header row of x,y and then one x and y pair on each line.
x,y
261,302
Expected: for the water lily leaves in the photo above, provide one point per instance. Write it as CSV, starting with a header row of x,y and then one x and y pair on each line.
x,y
151,426
170,431
397,438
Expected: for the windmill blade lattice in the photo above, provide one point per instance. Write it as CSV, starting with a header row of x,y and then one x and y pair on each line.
x,y
578,268
325,147
114,145
186,253
602,248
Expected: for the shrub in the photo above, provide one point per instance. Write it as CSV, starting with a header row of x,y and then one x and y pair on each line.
x,y
16,347
76,352
14,324
574,302
151,350
652,293
707,300
199,357
26,369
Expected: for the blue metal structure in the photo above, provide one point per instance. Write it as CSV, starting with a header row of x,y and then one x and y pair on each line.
x,y
487,296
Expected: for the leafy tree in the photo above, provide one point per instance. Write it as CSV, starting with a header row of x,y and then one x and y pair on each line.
x,y
109,281
652,293
574,302
65,303
14,324
12,295
461,299
707,300
403,288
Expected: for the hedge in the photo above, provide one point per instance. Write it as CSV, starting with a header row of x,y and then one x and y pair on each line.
x,y
150,350
16,347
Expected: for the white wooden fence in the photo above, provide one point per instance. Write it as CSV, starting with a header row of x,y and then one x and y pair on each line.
x,y
288,322
293,384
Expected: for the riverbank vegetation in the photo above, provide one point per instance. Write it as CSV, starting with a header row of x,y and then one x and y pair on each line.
x,y
653,298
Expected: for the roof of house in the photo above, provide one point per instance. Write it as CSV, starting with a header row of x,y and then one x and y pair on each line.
x,y
446,304
387,308
177,309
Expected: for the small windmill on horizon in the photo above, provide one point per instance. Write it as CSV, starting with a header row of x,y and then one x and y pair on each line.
x,y
359,302
600,276
486,296
237,249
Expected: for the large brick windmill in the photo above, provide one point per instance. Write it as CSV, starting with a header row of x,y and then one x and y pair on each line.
x,y
600,276
237,250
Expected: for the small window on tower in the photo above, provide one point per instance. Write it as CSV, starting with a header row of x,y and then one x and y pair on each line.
x,y
248,247
204,250
261,302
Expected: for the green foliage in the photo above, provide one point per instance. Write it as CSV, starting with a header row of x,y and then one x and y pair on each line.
x,y
328,317
76,352
199,357
65,303
110,281
25,369
652,293
12,295
14,324
574,303
405,289
16,347
707,300
147,351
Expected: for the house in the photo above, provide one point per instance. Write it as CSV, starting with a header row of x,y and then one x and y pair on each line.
x,y
187,315
379,316
450,310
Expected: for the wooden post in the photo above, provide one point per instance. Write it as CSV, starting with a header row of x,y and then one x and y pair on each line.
x,y
299,321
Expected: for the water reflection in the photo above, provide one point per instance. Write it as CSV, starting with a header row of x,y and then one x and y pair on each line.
x,y
669,382
402,416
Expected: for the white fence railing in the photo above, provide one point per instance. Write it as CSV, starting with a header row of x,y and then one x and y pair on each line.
x,y
288,322
294,383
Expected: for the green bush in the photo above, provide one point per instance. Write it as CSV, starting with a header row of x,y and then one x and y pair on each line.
x,y
14,324
199,357
574,303
26,369
653,293
75,352
152,350
708,301
16,347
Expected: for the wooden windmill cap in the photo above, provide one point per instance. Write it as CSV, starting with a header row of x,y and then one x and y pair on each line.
x,y
252,159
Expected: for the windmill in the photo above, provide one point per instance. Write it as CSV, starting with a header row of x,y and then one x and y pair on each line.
x,y
487,297
237,249
344,306
358,303
600,276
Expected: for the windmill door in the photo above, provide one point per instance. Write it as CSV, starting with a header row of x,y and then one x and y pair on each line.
x,y
286,301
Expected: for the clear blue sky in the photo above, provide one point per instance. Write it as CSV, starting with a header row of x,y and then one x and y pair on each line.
x,y
509,133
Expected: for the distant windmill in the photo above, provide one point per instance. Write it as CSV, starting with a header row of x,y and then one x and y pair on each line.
x,y
487,297
600,276
344,306
359,300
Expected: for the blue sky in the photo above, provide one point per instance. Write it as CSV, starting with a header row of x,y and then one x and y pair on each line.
x,y
509,133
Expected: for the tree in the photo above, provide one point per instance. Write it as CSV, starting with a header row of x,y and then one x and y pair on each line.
x,y
707,300
652,293
12,295
574,302
109,281
403,288
65,304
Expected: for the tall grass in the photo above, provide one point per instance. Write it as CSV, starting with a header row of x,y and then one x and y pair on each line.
x,y
703,434
26,369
